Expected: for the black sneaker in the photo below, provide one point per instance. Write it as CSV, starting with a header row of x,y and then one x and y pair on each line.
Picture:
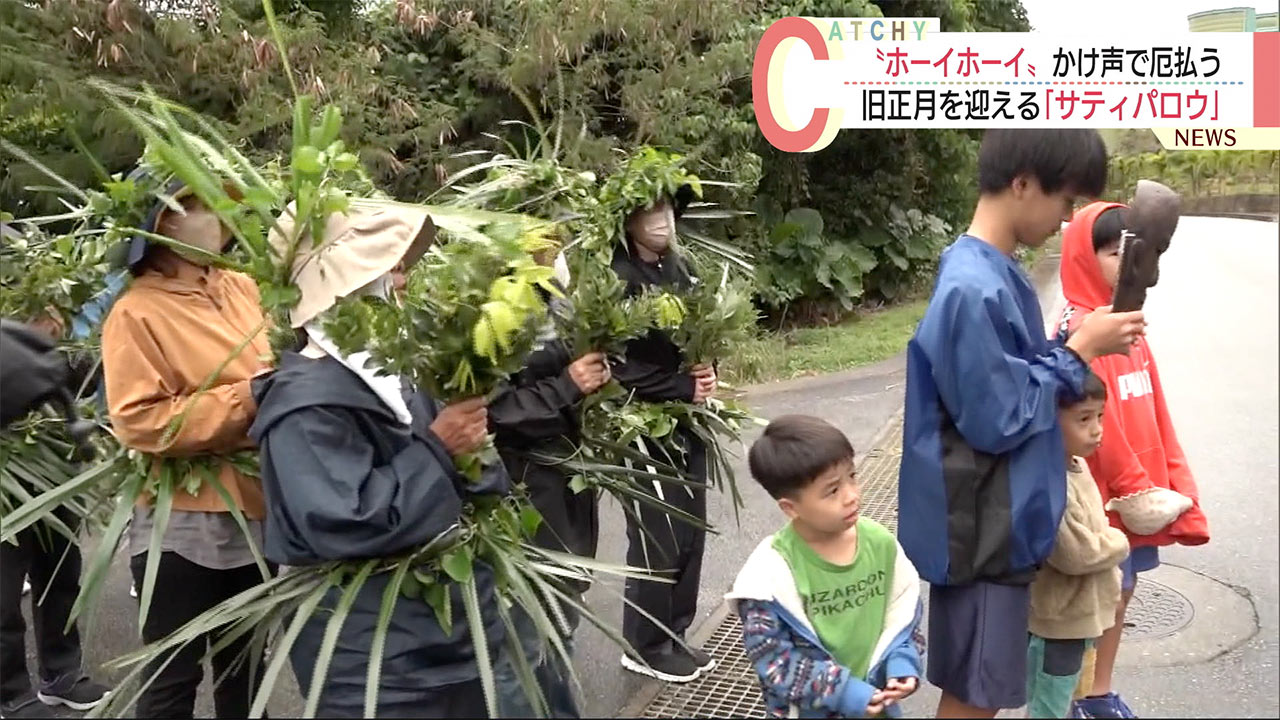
x,y
668,666
84,694
700,658
26,706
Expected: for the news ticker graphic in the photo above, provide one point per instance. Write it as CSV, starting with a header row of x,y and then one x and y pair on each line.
x,y
813,77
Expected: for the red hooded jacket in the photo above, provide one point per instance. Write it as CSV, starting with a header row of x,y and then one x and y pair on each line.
x,y
1139,447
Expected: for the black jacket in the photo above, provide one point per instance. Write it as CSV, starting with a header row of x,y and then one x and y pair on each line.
x,y
32,371
537,412
652,368
345,480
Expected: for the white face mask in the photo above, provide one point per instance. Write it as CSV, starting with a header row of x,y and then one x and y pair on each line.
x,y
654,228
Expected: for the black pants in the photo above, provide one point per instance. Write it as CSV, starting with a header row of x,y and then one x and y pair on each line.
x,y
37,555
570,521
459,700
183,591
674,548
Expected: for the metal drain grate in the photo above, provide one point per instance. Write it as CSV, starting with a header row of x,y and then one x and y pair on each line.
x,y
1156,611
731,689
879,474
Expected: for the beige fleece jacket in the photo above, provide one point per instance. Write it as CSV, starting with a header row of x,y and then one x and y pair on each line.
x,y
1075,594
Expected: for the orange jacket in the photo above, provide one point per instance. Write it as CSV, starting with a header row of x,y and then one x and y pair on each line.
x,y
164,337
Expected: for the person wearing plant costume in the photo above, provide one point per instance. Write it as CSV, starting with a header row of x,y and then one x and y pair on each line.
x,y
35,372
178,350
357,465
654,371
538,412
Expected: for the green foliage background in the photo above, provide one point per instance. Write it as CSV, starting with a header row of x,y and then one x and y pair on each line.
x,y
420,81
1196,173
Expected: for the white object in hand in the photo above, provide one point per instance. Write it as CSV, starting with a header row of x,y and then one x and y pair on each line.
x,y
1147,512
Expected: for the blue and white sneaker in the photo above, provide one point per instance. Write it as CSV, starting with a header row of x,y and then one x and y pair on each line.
x,y
1078,710
1101,706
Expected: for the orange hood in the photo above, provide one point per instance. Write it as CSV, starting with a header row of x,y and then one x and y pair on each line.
x,y
1082,283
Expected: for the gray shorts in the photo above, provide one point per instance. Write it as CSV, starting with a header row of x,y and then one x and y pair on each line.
x,y
977,649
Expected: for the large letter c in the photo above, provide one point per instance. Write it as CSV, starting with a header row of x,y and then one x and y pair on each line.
x,y
777,41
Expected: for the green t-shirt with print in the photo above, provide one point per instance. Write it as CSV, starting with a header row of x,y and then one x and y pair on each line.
x,y
845,603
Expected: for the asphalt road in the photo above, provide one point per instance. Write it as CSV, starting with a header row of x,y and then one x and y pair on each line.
x,y
1213,329
1213,326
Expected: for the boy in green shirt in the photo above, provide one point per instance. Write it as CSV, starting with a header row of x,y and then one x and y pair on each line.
x,y
830,605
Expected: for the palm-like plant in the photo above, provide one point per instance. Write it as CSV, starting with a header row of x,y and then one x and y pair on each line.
x,y
470,315
321,178
469,304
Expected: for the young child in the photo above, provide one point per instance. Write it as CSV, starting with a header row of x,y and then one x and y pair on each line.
x,y
830,603
1140,468
1075,594
982,486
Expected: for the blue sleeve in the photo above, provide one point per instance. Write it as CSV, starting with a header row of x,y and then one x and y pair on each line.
x,y
95,310
997,397
804,677
903,659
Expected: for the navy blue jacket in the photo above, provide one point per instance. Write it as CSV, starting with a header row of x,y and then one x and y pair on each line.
x,y
345,480
983,478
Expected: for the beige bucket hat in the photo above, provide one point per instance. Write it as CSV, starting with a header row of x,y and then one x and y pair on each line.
x,y
358,248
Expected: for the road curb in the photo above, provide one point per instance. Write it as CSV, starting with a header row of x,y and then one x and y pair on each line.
x,y
1043,274
1263,217
897,363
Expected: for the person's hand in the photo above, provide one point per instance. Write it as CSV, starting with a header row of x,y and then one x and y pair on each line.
x,y
877,704
704,382
462,426
1103,332
590,372
898,688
